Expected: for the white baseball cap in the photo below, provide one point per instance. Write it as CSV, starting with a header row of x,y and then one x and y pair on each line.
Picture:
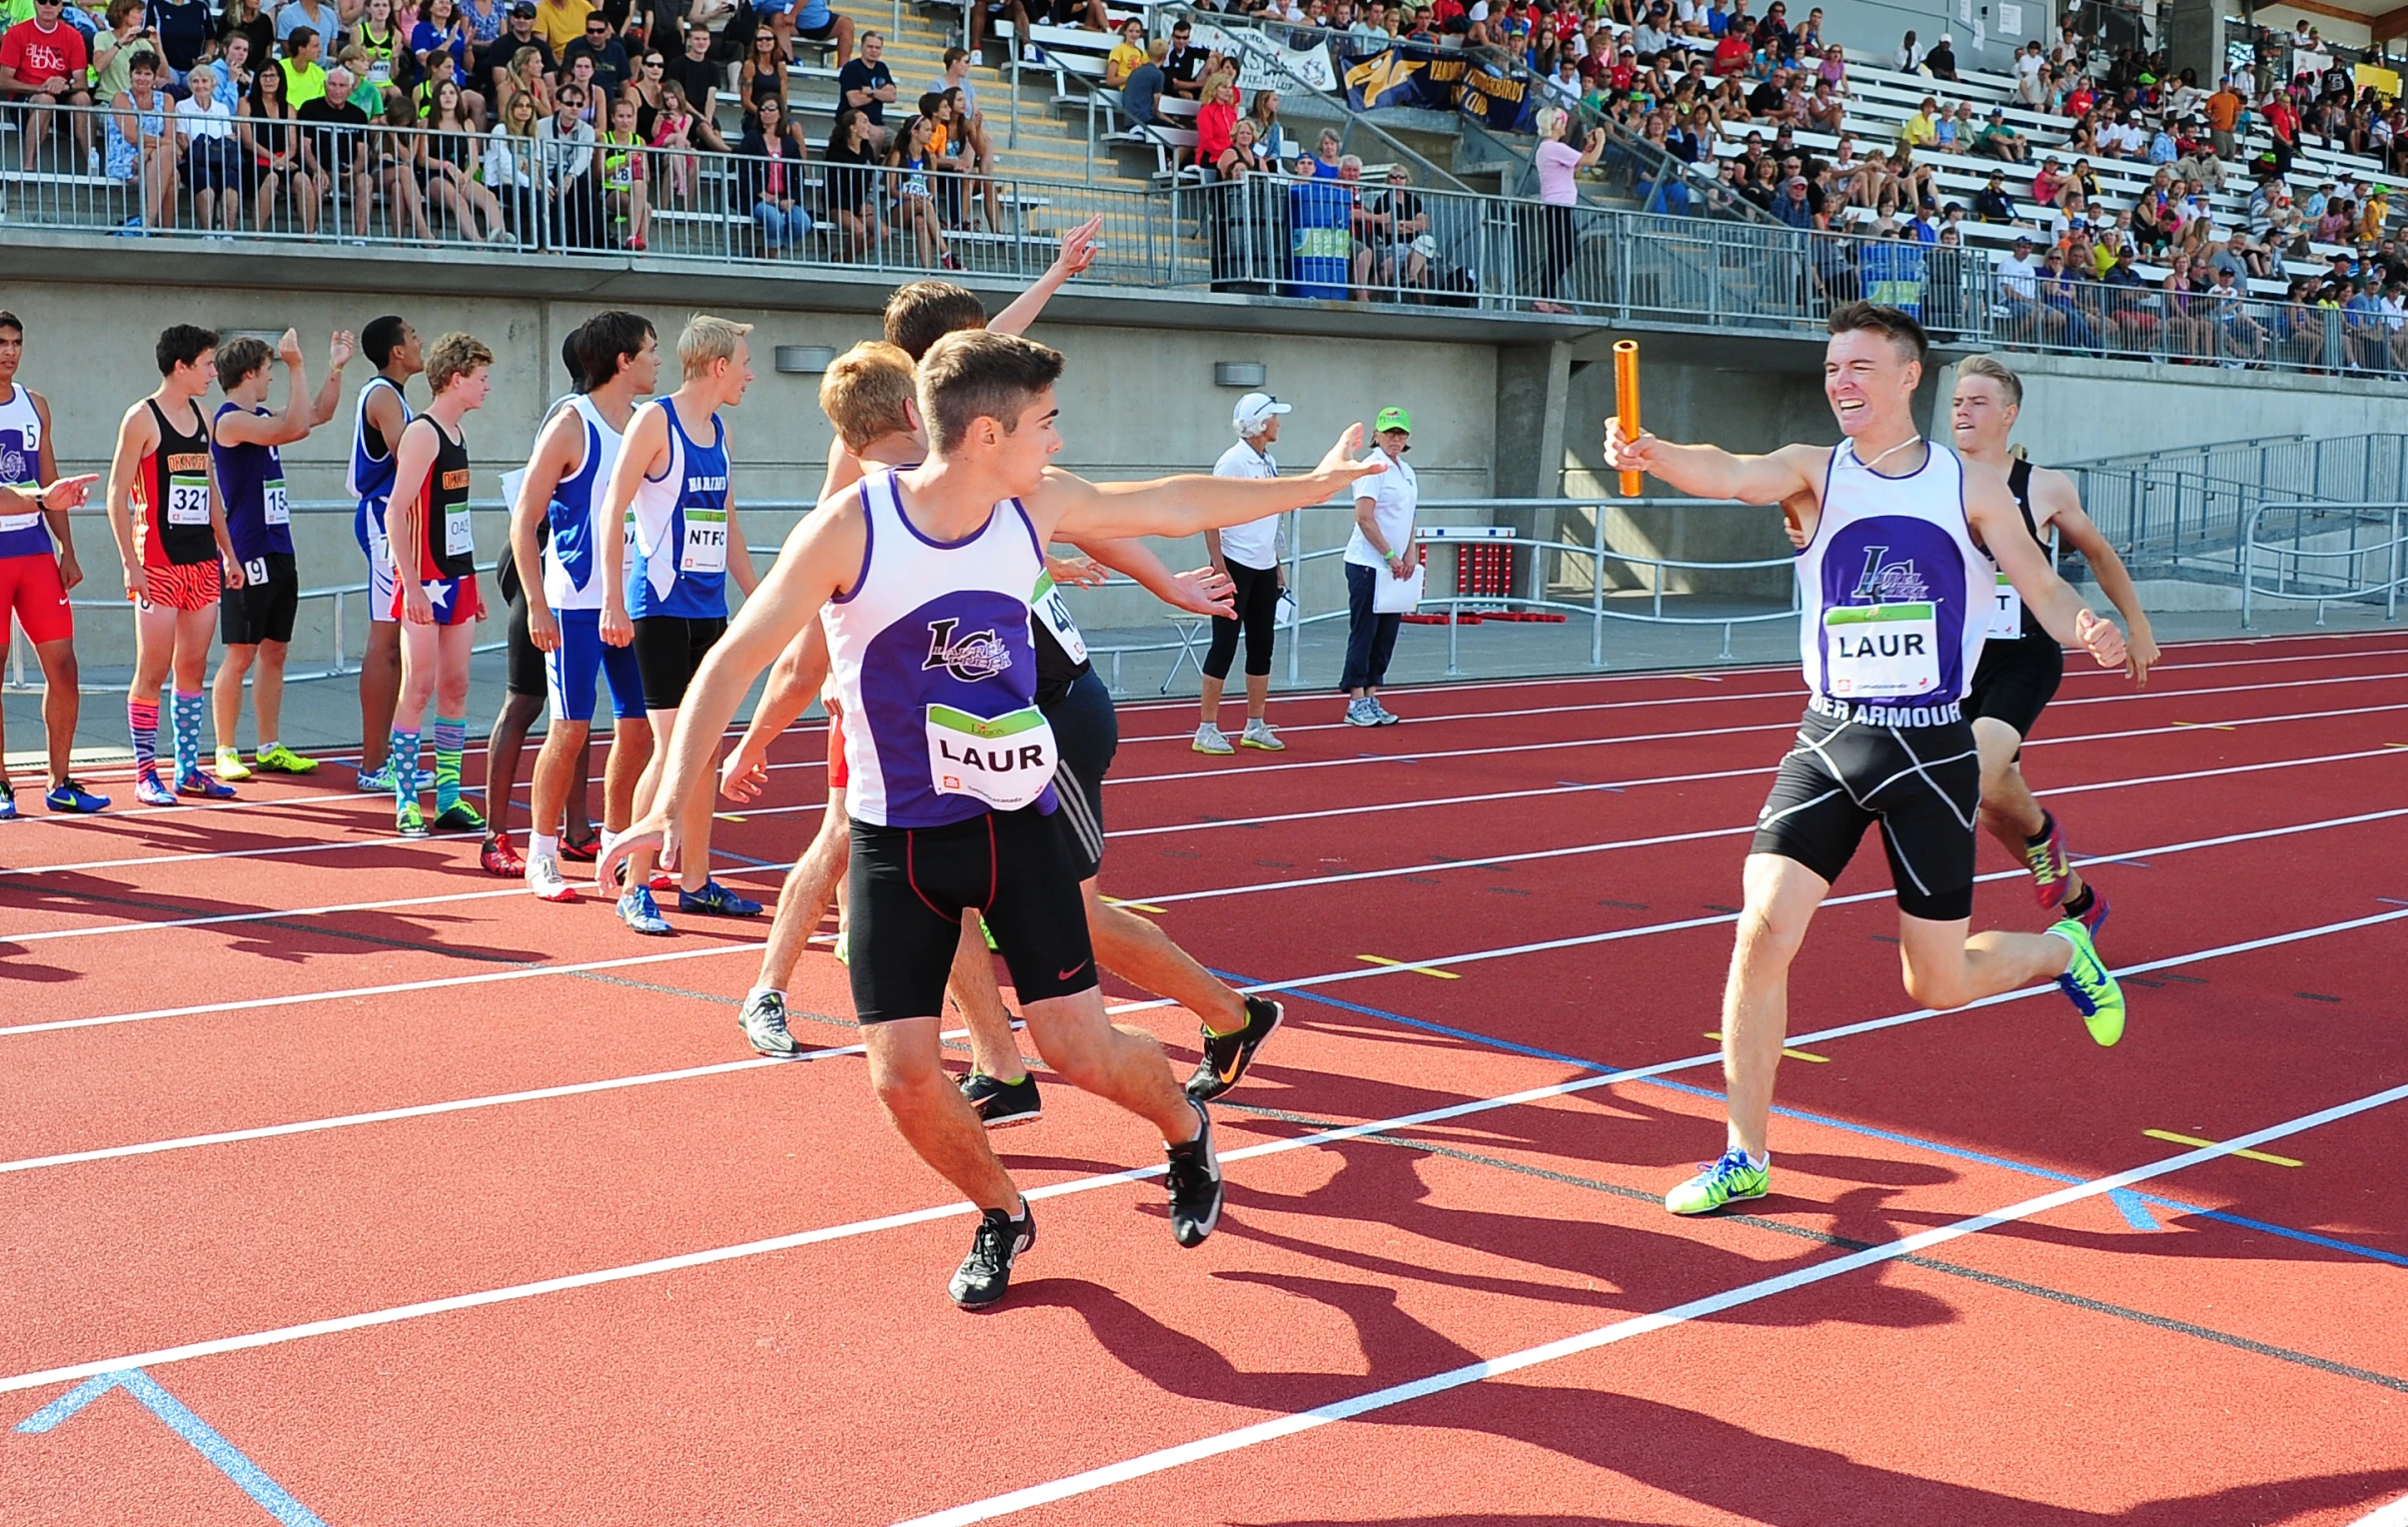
x,y
1256,410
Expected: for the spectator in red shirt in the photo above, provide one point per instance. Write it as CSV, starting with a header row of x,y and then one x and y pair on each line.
x,y
43,61
1216,119
1731,55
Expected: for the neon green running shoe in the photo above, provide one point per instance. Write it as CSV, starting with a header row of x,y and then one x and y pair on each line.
x,y
230,765
988,934
845,946
1720,1183
281,760
2089,985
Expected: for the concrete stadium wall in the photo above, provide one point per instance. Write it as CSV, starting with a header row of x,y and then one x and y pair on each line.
x,y
2076,409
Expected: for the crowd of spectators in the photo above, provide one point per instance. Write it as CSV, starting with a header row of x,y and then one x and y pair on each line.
x,y
566,122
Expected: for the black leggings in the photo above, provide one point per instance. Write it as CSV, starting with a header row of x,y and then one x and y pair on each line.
x,y
1257,612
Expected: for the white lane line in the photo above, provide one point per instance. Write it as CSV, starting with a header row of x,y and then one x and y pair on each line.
x,y
1251,770
1328,812
1356,974
330,909
806,807
1577,850
344,847
432,984
1792,693
2393,1515
596,1277
1165,1459
572,1089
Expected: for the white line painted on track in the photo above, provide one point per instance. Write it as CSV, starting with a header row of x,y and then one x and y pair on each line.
x,y
1440,866
1252,770
1355,974
330,909
572,1089
382,842
1260,1432
600,1276
2393,1515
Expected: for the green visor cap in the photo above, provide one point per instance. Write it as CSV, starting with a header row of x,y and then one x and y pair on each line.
x,y
1393,419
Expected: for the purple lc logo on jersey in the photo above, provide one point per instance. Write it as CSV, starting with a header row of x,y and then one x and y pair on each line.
x,y
15,466
982,655
1890,582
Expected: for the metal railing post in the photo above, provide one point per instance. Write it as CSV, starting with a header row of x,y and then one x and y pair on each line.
x,y
1296,590
1597,590
338,632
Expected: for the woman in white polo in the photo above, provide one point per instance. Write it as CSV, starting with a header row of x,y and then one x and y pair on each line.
x,y
1381,548
1249,554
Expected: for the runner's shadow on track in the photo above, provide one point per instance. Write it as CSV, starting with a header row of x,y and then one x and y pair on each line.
x,y
270,931
1698,1457
1613,1267
1781,1483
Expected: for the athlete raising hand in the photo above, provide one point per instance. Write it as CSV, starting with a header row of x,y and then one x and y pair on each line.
x,y
1896,595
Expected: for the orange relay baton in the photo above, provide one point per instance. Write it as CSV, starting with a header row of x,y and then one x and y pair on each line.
x,y
1626,403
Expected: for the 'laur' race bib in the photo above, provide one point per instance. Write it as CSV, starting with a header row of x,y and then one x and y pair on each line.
x,y
1005,762
2006,613
706,548
1054,610
1880,652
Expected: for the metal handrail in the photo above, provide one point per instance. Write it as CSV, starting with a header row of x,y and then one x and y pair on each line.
x,y
2286,558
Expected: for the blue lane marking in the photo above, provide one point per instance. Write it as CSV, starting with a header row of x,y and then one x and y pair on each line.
x,y
745,859
2133,1206
272,1497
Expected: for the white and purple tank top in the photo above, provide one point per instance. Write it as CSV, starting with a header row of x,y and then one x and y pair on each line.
x,y
1894,594
930,657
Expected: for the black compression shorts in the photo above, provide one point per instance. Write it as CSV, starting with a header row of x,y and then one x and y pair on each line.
x,y
668,648
2015,680
908,888
1086,732
263,608
1921,784
527,675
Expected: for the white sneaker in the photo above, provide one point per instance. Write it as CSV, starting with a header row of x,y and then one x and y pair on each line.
x,y
1210,739
1362,713
1258,734
544,877
1381,715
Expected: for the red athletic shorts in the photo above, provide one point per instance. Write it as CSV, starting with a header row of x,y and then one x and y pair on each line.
x,y
454,599
185,586
840,775
30,585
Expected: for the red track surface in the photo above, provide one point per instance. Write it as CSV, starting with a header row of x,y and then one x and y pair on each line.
x,y
2066,1367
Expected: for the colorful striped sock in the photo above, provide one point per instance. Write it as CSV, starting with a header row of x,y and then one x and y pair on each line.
x,y
142,719
187,716
449,736
403,757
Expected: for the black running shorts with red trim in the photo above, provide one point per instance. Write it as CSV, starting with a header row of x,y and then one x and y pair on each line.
x,y
1922,785
908,888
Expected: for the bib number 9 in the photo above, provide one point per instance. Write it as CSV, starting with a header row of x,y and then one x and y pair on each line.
x,y
188,501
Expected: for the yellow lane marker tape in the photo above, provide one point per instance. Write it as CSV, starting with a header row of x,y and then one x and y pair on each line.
x,y
2173,1139
2202,726
1382,960
729,817
1142,907
1716,1035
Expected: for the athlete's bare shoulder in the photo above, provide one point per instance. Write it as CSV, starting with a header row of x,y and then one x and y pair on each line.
x,y
2052,492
